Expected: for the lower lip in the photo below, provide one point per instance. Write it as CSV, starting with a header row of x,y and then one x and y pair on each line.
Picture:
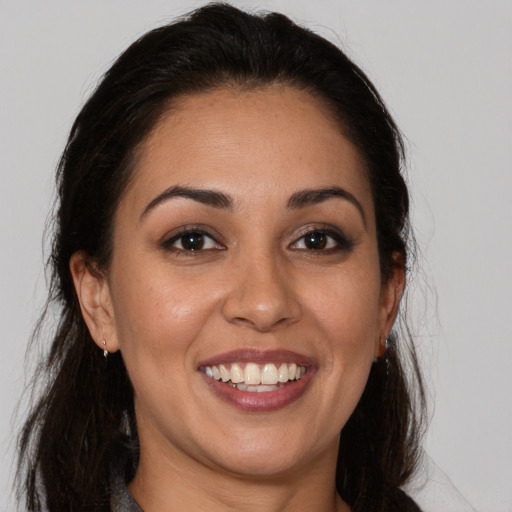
x,y
260,402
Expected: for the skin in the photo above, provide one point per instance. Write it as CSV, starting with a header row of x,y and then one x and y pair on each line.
x,y
255,284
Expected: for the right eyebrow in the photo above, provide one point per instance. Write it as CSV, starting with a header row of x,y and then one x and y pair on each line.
x,y
204,196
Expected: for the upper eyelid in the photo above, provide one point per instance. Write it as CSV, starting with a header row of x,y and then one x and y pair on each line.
x,y
203,230
321,228
169,244
337,234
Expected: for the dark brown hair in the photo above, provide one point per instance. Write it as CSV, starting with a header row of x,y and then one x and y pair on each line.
x,y
82,428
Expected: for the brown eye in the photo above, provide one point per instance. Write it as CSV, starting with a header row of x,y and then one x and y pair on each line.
x,y
191,241
323,240
315,240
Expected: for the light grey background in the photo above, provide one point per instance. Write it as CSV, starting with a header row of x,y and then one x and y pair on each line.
x,y
445,70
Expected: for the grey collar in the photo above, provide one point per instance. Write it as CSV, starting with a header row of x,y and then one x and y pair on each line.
x,y
120,498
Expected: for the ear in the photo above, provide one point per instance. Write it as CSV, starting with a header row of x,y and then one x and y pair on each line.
x,y
391,294
95,303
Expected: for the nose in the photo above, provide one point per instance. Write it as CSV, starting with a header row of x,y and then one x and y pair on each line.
x,y
262,297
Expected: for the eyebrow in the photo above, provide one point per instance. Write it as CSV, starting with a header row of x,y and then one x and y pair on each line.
x,y
309,197
204,196
300,199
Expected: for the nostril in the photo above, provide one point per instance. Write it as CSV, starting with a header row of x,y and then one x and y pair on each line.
x,y
262,316
263,296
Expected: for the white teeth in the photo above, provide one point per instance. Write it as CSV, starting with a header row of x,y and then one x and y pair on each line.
x,y
256,389
252,378
269,374
252,374
283,373
224,374
236,374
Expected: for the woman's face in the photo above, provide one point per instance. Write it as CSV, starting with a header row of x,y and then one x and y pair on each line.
x,y
244,247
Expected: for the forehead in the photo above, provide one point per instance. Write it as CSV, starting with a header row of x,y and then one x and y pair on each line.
x,y
252,144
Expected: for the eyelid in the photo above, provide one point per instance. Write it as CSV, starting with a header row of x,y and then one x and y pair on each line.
x,y
174,236
343,242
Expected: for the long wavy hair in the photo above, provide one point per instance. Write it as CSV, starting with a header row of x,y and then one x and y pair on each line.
x,y
81,427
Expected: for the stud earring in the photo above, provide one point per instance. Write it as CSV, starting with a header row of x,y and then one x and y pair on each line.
x,y
105,351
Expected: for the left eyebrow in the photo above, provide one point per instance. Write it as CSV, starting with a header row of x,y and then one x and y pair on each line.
x,y
309,197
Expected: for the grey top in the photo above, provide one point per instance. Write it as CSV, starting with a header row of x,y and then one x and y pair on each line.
x,y
121,500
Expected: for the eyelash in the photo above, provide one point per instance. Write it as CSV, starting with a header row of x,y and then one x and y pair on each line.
x,y
169,244
341,242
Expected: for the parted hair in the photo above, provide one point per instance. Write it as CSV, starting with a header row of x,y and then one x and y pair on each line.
x,y
81,428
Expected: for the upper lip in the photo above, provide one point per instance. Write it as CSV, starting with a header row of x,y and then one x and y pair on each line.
x,y
259,356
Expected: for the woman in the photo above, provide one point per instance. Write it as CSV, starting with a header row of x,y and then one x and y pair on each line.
x,y
229,257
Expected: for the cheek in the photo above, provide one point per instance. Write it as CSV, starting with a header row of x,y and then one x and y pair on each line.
x,y
158,312
345,303
345,310
159,320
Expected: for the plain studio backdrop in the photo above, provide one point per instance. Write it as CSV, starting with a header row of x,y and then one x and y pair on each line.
x,y
444,69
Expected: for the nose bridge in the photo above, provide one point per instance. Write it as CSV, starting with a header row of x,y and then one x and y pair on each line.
x,y
262,295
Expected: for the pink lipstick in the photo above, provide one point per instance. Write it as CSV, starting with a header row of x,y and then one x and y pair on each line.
x,y
256,380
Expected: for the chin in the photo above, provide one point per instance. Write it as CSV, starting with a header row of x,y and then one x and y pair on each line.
x,y
262,455
262,466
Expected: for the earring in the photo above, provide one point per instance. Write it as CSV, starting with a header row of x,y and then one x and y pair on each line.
x,y
386,357
383,342
105,351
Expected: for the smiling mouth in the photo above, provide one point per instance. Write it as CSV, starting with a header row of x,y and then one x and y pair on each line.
x,y
256,378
